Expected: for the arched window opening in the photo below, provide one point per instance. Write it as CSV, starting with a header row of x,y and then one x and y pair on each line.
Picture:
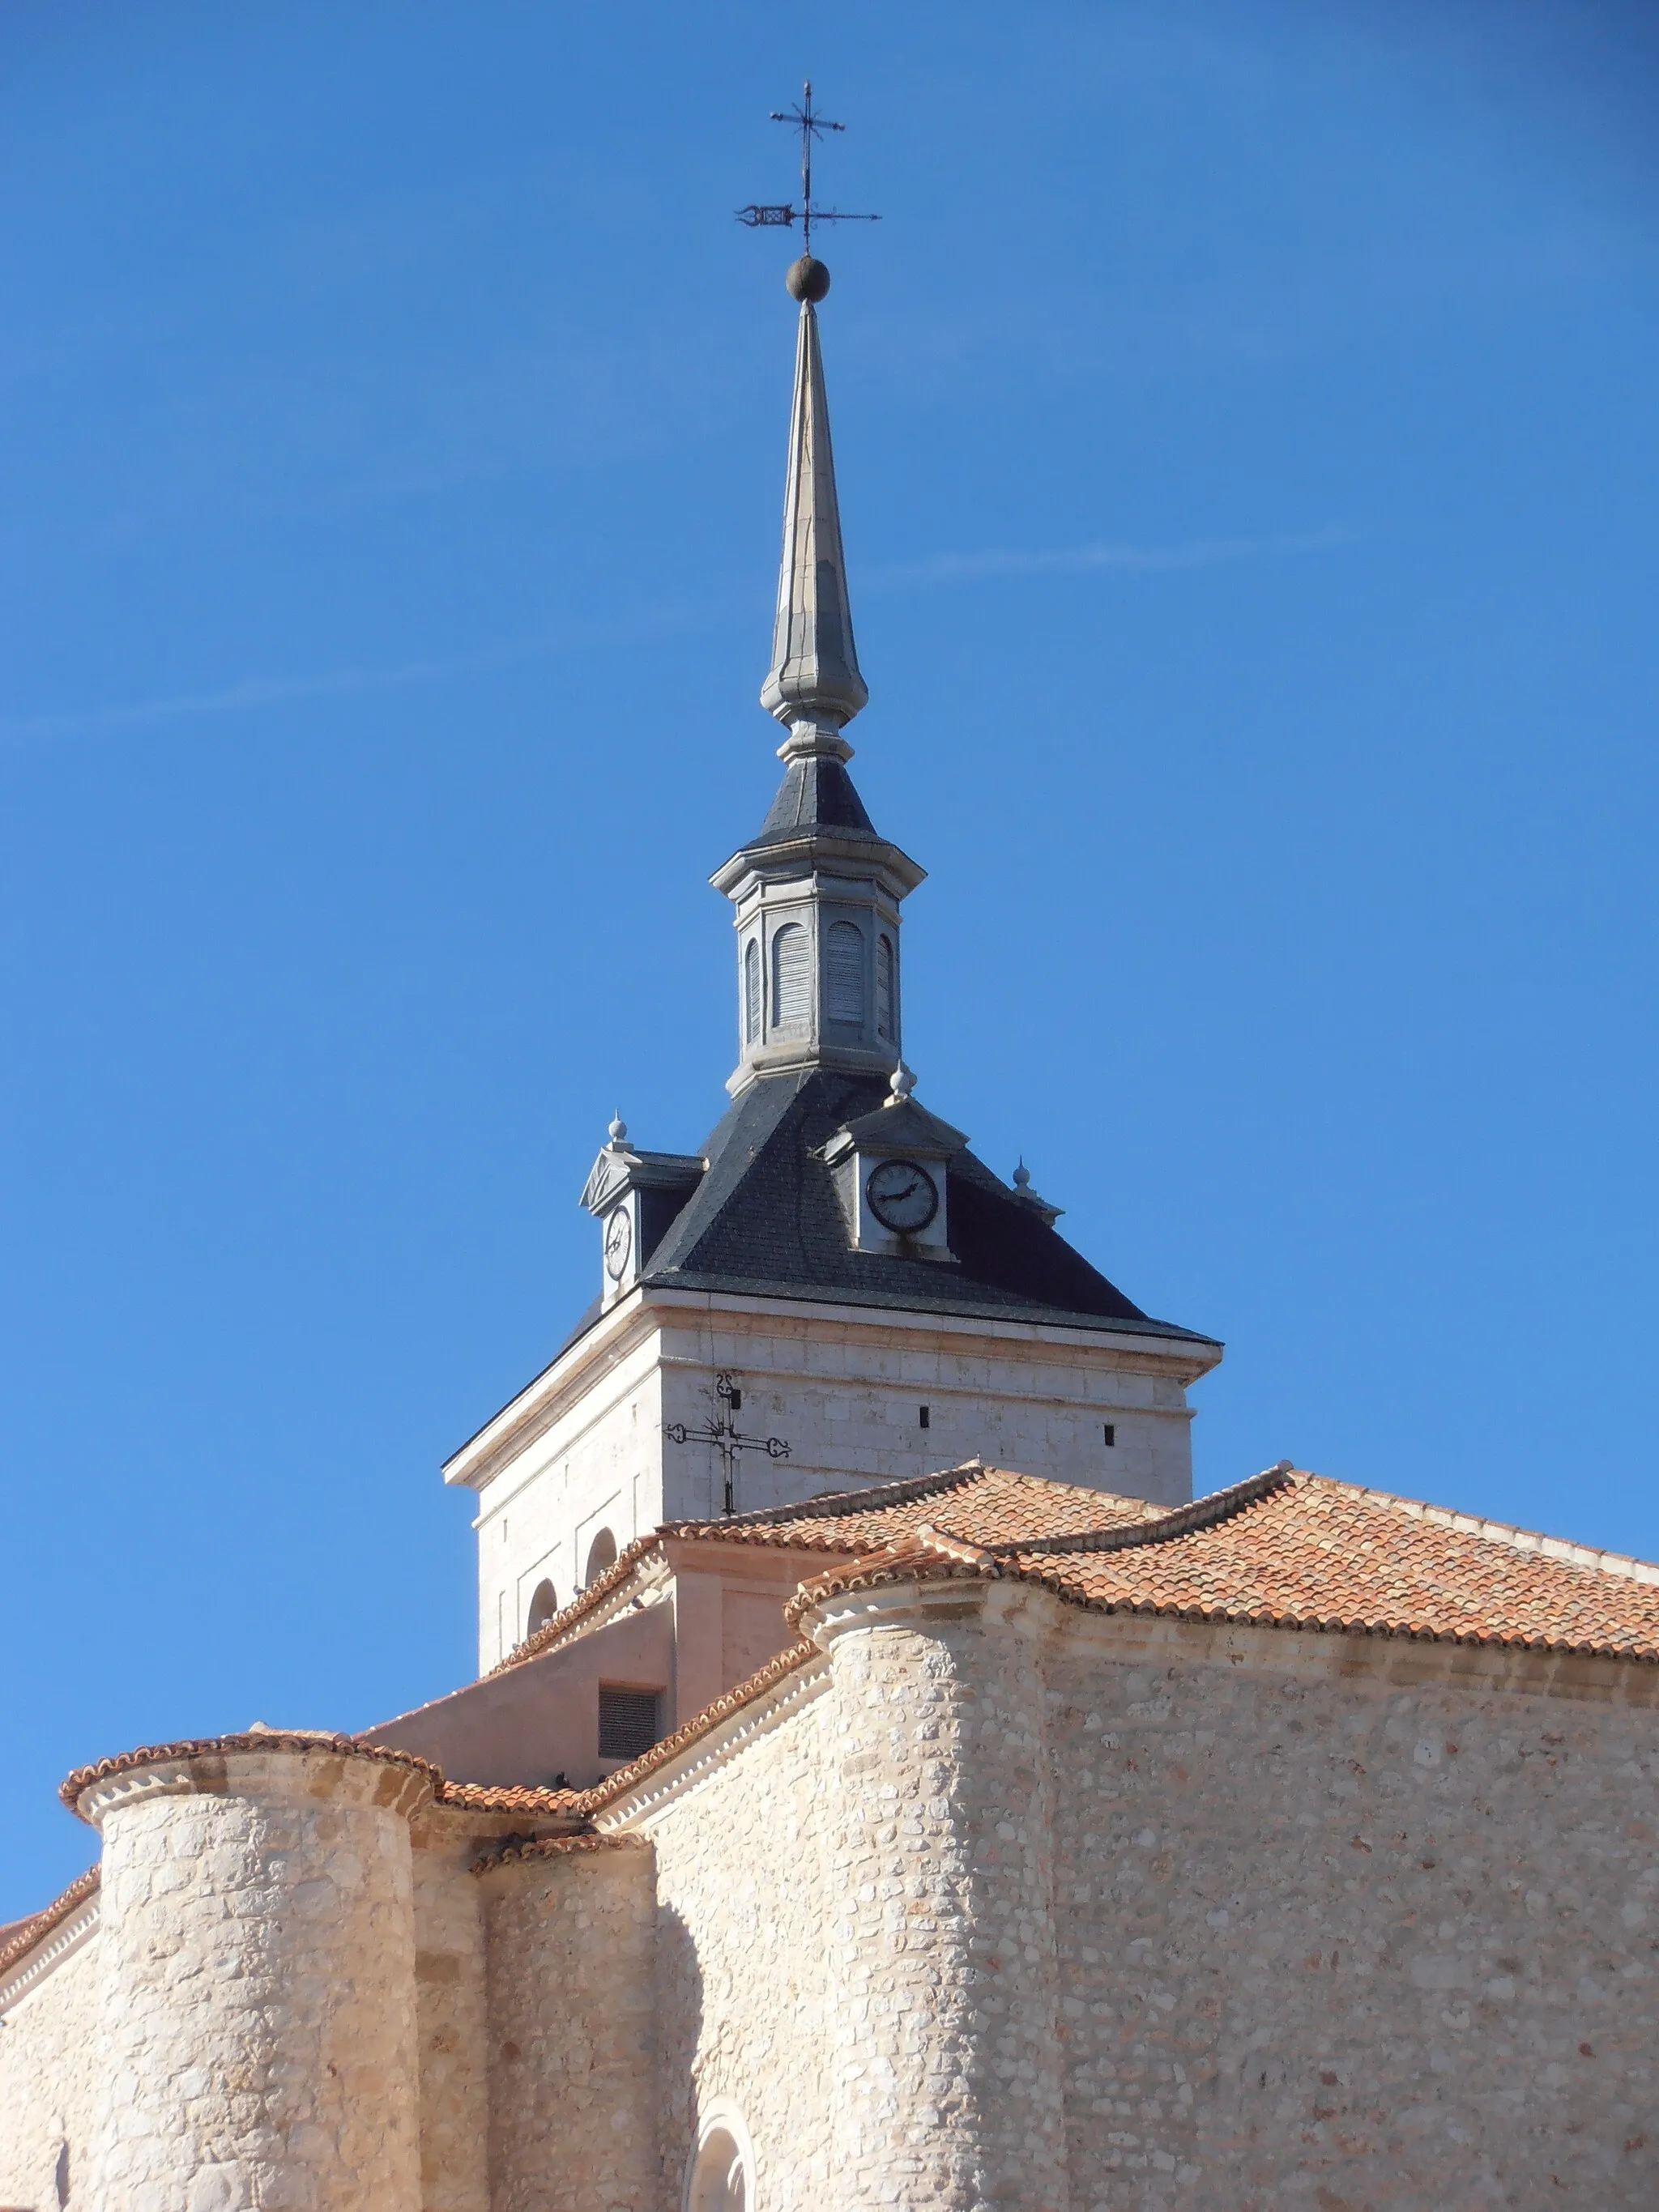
x,y
601,1555
843,974
543,1604
751,992
792,978
885,1025
722,2172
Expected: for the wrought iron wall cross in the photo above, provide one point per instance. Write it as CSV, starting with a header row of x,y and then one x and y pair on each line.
x,y
724,1434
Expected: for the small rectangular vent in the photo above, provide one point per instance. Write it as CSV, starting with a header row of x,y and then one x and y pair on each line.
x,y
1111,1428
627,1722
927,1421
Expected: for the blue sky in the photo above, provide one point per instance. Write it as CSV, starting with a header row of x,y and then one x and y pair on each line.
x,y
1248,452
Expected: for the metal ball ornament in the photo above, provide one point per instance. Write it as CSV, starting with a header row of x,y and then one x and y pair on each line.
x,y
807,278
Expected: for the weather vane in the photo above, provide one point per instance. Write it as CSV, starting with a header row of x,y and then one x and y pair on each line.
x,y
812,125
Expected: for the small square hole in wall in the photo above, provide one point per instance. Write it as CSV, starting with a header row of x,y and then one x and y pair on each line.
x,y
926,1421
1109,1430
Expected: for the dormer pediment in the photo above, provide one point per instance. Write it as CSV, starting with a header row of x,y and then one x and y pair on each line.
x,y
901,1127
619,1169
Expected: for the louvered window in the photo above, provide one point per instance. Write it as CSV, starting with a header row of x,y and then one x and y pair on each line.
x,y
884,1024
628,1722
843,974
752,993
792,978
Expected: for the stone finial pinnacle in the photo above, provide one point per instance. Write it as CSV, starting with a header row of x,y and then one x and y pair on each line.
x,y
814,678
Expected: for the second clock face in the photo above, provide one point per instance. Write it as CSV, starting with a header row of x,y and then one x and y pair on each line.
x,y
618,1242
903,1195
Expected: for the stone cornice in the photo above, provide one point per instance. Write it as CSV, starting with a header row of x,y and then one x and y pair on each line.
x,y
613,1335
648,1306
45,1952
303,1767
65,1919
1190,1357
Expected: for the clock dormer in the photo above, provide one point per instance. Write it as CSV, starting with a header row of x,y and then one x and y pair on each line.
x,y
890,1170
636,1197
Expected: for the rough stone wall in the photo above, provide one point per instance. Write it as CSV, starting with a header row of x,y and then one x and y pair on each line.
x,y
573,2088
745,1980
948,2086
450,2018
1346,1923
257,1991
51,2084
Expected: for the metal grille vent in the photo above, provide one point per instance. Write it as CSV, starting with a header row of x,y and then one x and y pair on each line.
x,y
627,1722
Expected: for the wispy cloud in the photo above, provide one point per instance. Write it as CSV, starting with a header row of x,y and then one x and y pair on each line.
x,y
254,691
1200,553
251,692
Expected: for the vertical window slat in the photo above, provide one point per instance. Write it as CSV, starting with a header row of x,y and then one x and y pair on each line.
x,y
751,992
884,1025
843,974
792,978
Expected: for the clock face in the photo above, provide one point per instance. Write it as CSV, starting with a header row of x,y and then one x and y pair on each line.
x,y
618,1242
903,1195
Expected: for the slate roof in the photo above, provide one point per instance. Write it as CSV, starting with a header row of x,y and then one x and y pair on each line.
x,y
765,1221
816,793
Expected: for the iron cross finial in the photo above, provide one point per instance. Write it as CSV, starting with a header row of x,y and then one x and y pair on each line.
x,y
811,125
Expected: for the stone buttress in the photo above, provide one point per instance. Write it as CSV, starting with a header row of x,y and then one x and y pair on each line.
x,y
945,2071
574,2094
257,1966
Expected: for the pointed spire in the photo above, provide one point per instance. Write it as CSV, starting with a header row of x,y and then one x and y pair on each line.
x,y
814,677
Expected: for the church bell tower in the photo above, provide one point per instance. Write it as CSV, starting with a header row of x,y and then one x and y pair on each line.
x,y
832,1292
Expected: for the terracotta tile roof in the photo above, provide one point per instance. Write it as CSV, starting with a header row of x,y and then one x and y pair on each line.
x,y
513,1852
974,1501
489,1797
1292,1550
977,1504
22,1935
159,1754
